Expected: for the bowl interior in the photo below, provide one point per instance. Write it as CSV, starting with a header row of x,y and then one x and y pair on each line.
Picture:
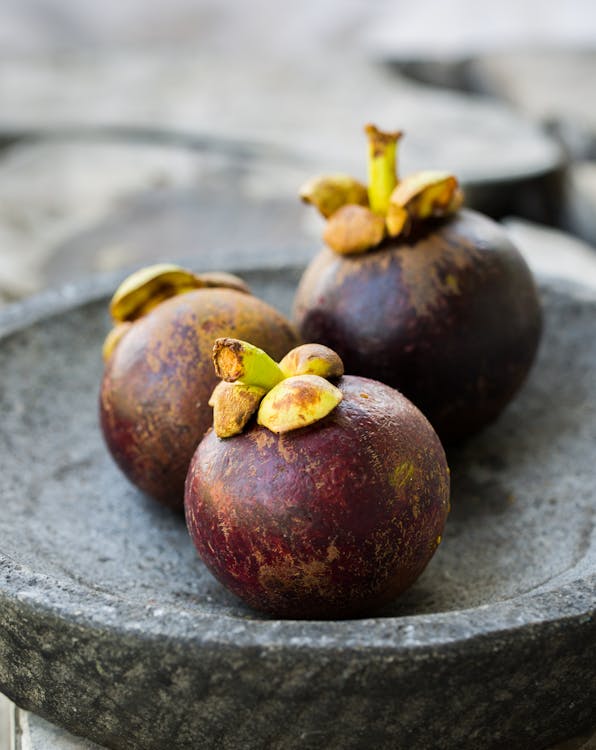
x,y
522,492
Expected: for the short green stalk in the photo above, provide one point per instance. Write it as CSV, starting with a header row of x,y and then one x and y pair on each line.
x,y
382,167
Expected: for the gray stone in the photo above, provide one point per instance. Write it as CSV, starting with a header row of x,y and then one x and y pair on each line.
x,y
34,733
303,82
553,252
111,627
282,105
550,85
541,58
38,734
77,205
429,28
432,30
287,108
580,202
222,27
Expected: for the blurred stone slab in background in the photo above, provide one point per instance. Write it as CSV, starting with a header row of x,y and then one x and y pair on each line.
x,y
197,160
428,28
89,62
221,27
462,29
313,108
580,200
553,252
549,85
72,207
196,153
539,57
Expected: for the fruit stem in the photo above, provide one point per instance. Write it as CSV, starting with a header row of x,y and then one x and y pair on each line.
x,y
237,360
382,169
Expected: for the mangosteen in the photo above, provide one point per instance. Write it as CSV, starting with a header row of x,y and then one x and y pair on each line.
x,y
418,293
159,375
312,498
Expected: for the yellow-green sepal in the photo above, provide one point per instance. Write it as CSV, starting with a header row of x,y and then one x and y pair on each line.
x,y
238,360
147,287
298,401
420,196
233,405
328,193
312,359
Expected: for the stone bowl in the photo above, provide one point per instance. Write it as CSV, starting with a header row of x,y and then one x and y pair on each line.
x,y
111,627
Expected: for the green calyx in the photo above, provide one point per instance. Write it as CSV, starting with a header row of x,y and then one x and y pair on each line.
x,y
360,217
294,393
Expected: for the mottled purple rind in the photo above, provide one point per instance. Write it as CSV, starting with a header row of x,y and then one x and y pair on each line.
x,y
156,385
451,317
326,521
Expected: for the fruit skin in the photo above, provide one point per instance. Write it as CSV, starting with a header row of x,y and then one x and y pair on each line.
x,y
157,382
450,317
326,521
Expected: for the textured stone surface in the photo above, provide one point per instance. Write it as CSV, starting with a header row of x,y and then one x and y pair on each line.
x,y
111,627
38,734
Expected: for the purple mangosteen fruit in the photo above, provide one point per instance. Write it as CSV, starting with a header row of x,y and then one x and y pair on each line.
x,y
420,294
317,494
158,374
